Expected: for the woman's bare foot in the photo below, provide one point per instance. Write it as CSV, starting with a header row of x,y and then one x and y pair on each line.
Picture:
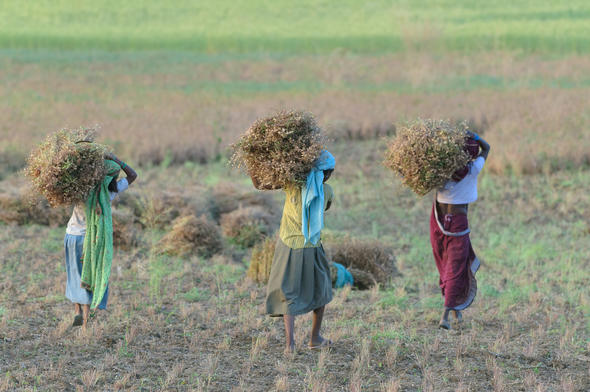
x,y
78,319
319,342
289,349
85,311
444,320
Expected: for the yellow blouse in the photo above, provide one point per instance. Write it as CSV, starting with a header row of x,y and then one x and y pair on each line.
x,y
290,231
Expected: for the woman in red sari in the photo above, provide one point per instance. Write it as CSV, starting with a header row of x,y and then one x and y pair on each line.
x,y
449,233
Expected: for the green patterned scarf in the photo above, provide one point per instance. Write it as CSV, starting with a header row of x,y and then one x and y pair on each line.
x,y
98,243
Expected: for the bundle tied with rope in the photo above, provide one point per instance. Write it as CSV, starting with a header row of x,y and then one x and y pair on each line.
x,y
279,150
425,154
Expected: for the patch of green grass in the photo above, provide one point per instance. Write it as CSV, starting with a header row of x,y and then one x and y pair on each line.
x,y
515,294
390,299
196,294
225,273
389,336
303,27
53,241
435,302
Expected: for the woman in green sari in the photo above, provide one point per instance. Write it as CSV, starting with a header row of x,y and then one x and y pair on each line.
x,y
89,242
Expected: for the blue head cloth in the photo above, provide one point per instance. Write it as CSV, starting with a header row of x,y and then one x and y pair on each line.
x,y
313,198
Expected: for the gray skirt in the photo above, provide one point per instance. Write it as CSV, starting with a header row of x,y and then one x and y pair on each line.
x,y
299,281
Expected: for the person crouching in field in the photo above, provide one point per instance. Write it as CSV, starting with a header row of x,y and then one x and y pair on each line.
x,y
89,243
449,233
300,279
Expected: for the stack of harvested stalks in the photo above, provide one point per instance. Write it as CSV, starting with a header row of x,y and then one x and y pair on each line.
x,y
160,209
190,235
227,197
369,261
67,166
426,153
247,226
279,150
125,234
19,207
261,260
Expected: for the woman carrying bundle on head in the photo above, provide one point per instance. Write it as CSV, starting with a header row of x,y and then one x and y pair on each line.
x,y
300,279
286,151
449,233
89,242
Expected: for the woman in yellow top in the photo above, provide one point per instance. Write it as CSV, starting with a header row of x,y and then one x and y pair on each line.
x,y
299,279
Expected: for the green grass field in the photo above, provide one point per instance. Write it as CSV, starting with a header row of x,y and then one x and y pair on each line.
x,y
302,27
173,85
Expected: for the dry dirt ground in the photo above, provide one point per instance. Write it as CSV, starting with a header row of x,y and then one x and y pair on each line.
x,y
197,324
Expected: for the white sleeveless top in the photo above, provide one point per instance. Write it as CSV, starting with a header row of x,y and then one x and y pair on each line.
x,y
77,223
464,191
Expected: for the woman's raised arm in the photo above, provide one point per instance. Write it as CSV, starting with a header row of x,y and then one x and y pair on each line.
x,y
129,172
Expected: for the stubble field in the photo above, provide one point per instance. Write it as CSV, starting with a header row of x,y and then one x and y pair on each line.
x,y
171,106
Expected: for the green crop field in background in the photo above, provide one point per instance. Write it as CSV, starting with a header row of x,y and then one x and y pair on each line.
x,y
297,27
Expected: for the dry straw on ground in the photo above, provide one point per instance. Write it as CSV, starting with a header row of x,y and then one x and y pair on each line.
x,y
261,260
125,234
192,235
280,149
362,280
227,197
370,261
20,207
159,209
247,226
426,153
67,166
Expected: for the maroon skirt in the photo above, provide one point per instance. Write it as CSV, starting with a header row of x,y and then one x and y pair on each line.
x,y
455,259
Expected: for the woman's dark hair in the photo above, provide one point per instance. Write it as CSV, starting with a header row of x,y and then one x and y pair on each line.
x,y
327,174
113,185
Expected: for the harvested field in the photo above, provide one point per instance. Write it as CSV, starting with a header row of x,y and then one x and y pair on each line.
x,y
171,88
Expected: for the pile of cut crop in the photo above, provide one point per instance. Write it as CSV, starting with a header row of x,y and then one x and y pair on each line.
x,y
191,235
279,150
426,153
369,261
67,166
261,260
247,226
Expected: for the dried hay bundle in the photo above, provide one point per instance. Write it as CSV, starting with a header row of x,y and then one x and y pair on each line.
x,y
190,234
125,234
19,206
362,280
160,209
67,166
369,256
426,153
247,226
227,197
261,260
280,149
